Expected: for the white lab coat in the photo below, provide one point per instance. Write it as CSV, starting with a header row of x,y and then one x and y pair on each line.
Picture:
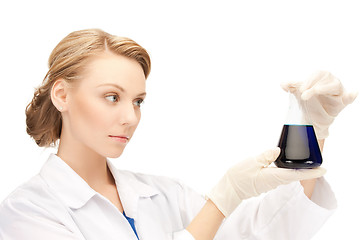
x,y
58,204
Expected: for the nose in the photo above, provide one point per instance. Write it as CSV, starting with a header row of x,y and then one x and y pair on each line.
x,y
129,114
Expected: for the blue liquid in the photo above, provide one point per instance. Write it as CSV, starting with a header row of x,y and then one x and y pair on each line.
x,y
299,148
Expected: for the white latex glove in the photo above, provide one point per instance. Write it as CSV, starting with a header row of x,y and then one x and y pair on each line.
x,y
324,98
252,177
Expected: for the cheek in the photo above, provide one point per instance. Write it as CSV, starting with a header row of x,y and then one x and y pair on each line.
x,y
90,115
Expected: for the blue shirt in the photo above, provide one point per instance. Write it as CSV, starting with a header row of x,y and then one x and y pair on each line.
x,y
131,222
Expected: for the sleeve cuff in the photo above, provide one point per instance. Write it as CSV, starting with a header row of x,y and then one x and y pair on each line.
x,y
182,235
323,195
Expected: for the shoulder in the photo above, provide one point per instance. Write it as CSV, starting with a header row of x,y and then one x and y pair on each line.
x,y
161,183
171,188
34,191
31,202
167,186
30,191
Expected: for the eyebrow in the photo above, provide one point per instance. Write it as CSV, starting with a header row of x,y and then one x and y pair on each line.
x,y
119,87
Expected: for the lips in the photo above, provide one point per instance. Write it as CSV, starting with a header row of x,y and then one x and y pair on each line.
x,y
120,138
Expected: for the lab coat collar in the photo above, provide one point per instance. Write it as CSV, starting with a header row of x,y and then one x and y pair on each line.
x,y
66,183
128,179
75,192
130,189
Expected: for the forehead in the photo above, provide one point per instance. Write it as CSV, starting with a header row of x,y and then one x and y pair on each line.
x,y
109,68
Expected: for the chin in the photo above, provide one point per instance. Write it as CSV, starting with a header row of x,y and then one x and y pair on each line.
x,y
114,154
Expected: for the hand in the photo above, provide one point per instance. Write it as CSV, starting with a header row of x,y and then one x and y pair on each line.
x,y
324,98
252,177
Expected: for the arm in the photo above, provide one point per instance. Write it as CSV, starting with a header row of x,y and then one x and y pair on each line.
x,y
246,179
205,225
309,184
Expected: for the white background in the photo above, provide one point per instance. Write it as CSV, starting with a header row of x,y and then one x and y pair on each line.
x,y
213,93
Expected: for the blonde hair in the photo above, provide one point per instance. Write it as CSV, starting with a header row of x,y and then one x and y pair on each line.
x,y
67,60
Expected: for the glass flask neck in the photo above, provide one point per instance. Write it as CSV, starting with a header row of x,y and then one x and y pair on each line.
x,y
297,114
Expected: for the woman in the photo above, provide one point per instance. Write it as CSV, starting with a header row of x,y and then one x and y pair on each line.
x,y
90,101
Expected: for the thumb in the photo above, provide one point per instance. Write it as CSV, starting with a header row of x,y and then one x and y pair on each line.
x,y
349,98
267,157
290,86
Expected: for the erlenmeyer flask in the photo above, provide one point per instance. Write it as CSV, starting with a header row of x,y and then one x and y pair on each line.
x,y
298,141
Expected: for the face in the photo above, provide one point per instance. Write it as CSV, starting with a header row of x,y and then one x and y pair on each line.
x,y
104,107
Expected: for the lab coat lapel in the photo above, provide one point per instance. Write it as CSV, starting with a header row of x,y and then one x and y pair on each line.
x,y
66,183
136,198
152,222
106,222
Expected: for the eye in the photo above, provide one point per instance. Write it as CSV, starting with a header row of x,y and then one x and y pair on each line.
x,y
112,98
138,102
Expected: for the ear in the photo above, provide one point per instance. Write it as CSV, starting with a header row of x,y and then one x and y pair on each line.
x,y
59,93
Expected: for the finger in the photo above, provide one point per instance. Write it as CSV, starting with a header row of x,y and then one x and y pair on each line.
x,y
291,175
333,88
307,94
313,79
290,86
269,156
349,98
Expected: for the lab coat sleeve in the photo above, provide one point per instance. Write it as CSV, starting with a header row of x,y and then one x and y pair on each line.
x,y
182,235
22,219
282,214
189,203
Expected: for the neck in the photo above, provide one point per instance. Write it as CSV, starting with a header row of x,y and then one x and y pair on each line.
x,y
88,164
